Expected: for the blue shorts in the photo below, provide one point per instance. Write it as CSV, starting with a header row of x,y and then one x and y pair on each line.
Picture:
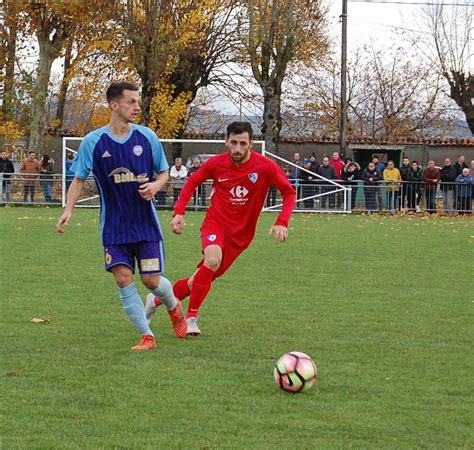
x,y
149,256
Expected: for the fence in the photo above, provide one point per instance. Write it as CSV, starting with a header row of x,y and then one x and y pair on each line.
x,y
318,196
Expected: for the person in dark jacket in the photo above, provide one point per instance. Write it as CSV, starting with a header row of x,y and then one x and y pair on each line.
x,y
460,164
448,177
308,181
46,177
414,191
350,177
431,177
6,169
371,177
464,191
404,171
327,171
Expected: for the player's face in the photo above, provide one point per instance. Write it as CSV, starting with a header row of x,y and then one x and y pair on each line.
x,y
128,106
239,146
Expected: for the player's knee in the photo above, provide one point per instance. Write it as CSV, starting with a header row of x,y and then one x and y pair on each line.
x,y
151,281
212,262
123,279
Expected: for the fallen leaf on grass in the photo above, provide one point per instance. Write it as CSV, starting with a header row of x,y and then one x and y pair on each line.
x,y
36,320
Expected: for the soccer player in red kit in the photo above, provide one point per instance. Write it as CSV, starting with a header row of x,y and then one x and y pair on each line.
x,y
241,180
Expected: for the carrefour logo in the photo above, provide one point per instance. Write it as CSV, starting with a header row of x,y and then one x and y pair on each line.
x,y
123,175
239,191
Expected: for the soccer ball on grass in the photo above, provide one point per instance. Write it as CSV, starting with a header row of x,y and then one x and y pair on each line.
x,y
295,372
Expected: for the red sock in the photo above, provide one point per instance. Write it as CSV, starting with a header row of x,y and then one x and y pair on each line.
x,y
180,291
201,287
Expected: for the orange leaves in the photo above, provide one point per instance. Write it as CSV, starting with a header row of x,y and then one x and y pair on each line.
x,y
168,110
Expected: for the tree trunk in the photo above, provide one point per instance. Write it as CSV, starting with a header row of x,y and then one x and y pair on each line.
x,y
271,126
64,86
148,92
40,93
462,92
10,23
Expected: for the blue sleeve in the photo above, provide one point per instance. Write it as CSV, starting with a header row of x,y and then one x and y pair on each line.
x,y
160,164
82,164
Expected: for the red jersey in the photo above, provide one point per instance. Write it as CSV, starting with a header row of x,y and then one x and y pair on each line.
x,y
338,167
238,194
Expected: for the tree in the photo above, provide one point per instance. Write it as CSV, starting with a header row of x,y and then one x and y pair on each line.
x,y
52,23
280,32
8,55
391,94
451,29
176,46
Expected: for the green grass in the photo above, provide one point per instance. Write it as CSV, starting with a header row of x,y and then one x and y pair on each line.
x,y
383,305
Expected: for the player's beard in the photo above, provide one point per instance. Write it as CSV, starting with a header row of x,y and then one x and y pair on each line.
x,y
239,157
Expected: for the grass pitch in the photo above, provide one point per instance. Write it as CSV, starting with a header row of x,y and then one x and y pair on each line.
x,y
383,305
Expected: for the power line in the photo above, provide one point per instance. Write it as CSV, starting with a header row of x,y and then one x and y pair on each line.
x,y
411,3
381,25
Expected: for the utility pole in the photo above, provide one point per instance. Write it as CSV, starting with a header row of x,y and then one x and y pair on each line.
x,y
343,116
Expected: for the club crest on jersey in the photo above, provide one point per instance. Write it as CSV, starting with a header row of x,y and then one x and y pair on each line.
x,y
123,175
212,237
253,177
137,150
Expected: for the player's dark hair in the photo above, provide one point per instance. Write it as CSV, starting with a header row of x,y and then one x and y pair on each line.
x,y
115,90
240,127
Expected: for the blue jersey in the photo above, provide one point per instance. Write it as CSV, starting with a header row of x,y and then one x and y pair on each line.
x,y
119,166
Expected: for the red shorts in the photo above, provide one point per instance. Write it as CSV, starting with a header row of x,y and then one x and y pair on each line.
x,y
213,234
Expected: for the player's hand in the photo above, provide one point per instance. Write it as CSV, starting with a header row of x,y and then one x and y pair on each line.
x,y
63,220
279,232
177,224
147,191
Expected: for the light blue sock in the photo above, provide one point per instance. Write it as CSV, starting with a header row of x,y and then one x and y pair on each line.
x,y
134,308
164,292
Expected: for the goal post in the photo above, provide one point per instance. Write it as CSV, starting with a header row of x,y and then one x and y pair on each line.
x,y
310,198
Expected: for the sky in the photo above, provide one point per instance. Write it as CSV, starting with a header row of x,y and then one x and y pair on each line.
x,y
369,22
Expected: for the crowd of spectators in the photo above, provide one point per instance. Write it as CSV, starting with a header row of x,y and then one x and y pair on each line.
x,y
383,187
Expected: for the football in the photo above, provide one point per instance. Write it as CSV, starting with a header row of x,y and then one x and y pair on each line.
x,y
295,372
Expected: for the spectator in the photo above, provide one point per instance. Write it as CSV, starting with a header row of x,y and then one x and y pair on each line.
x,y
448,177
464,191
327,171
431,177
31,168
314,164
201,189
288,174
414,191
392,177
6,169
178,174
69,172
404,171
308,184
459,165
350,177
471,170
371,177
338,167
379,167
46,178
295,171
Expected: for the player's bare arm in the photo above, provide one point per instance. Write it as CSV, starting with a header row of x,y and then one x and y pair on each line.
x,y
279,232
73,196
177,224
148,190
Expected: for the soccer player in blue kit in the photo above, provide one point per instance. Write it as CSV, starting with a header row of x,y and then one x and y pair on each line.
x,y
124,158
